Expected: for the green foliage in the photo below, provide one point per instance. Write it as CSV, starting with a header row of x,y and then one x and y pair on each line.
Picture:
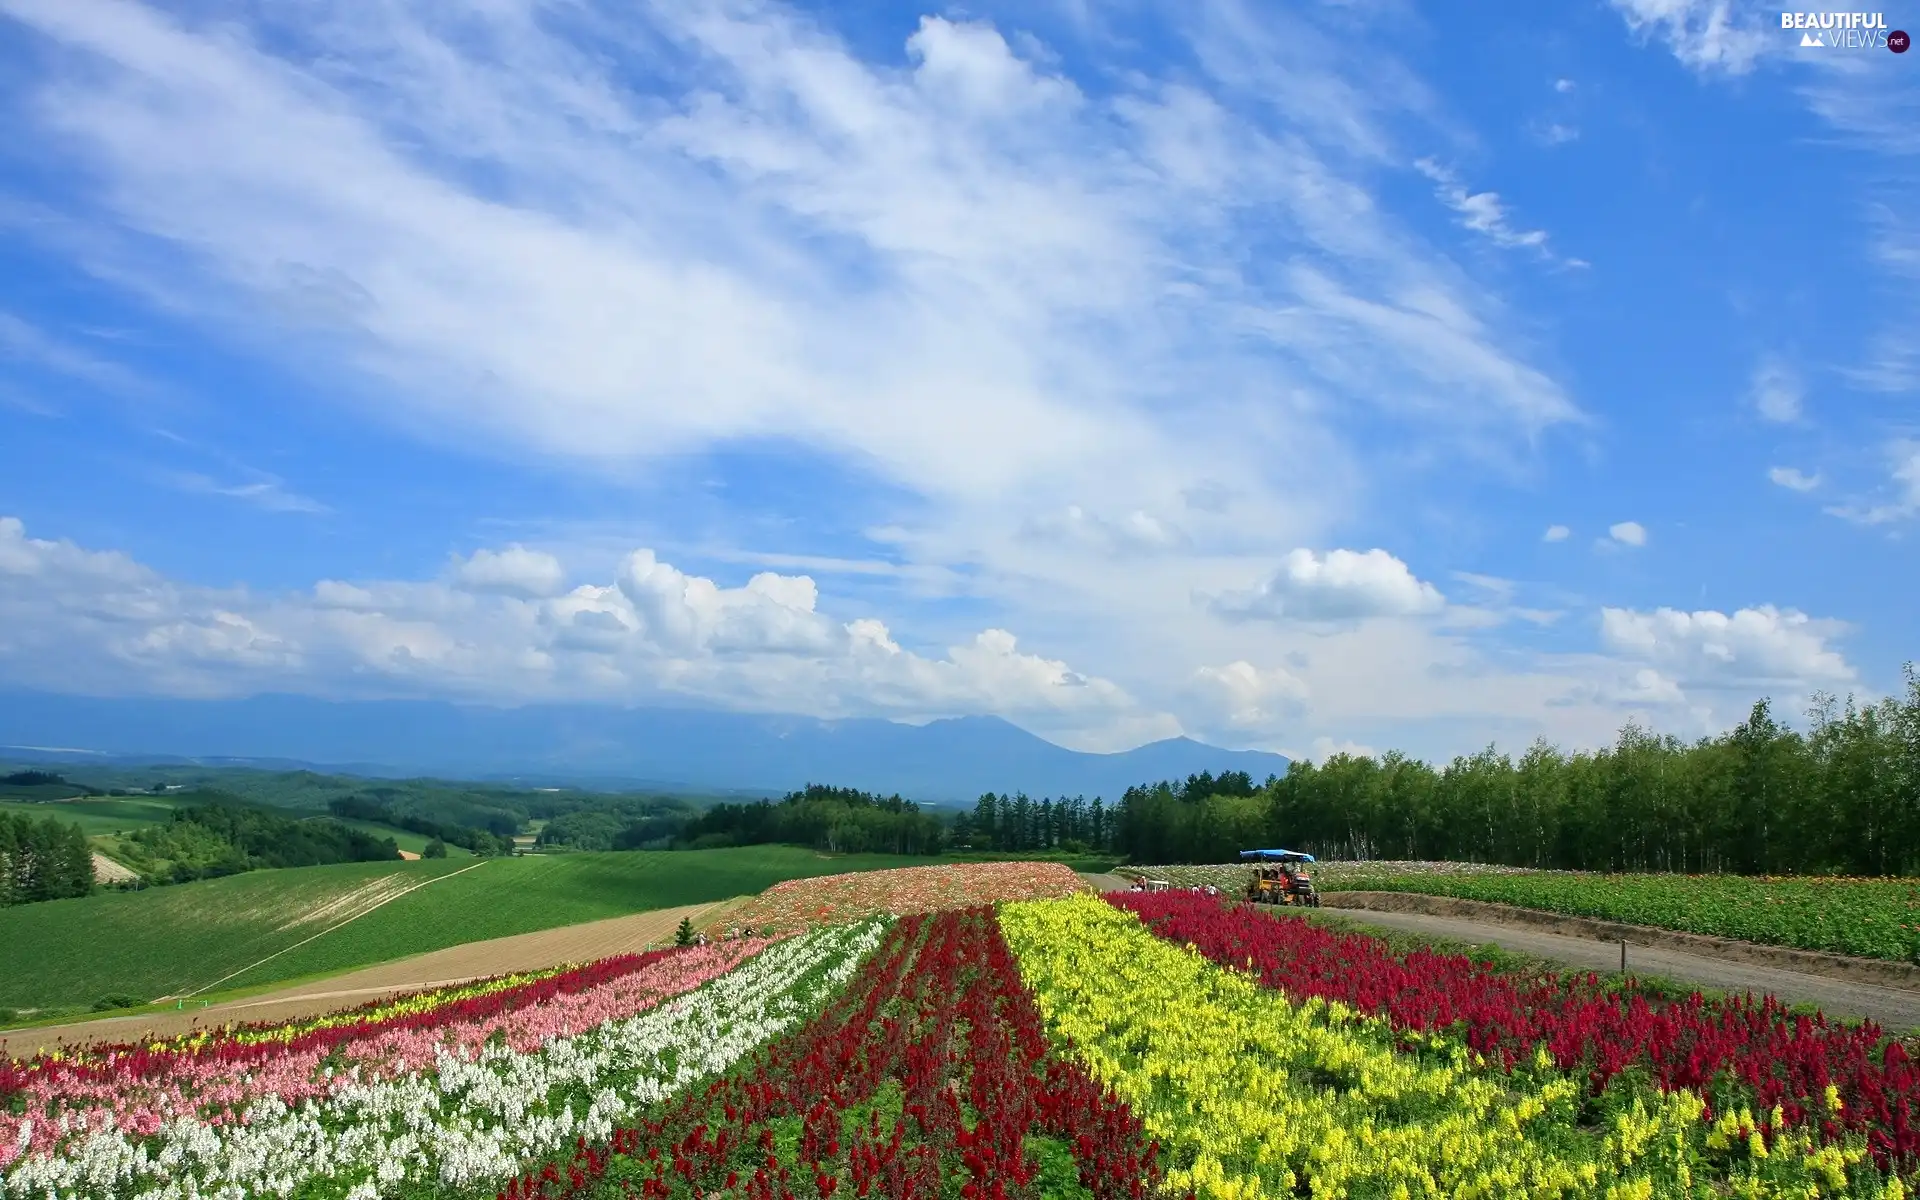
x,y
475,840
42,860
215,839
584,830
434,849
1870,918
826,818
1842,798
115,1000
171,940
683,935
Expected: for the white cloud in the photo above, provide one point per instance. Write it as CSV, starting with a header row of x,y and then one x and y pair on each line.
x,y
1904,459
1556,533
514,570
77,619
1245,697
1563,86
1777,392
1555,133
1793,479
1135,533
1707,35
950,269
1324,748
1481,212
1760,646
1341,585
1628,533
264,493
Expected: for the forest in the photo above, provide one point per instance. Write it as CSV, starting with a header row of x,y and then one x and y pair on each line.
x,y
835,819
483,842
42,860
1842,797
210,840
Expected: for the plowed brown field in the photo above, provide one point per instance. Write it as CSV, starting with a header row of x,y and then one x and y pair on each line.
x,y
475,960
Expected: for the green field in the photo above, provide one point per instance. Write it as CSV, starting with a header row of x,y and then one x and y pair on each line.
x,y
98,814
1868,918
64,954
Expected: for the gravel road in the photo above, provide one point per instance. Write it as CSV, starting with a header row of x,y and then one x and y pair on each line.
x,y
1898,1009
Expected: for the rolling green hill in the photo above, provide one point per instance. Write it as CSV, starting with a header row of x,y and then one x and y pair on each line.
x,y
64,954
413,843
99,814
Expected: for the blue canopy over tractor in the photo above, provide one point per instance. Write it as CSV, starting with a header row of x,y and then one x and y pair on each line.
x,y
1275,856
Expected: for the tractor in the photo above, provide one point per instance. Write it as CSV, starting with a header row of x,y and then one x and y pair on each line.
x,y
1280,877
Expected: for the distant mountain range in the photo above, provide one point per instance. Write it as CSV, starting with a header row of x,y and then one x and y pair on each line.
x,y
947,761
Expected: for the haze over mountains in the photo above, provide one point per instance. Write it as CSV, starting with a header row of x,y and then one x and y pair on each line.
x,y
951,760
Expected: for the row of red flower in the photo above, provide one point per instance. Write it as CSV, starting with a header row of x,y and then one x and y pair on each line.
x,y
147,1061
1734,1051
930,1068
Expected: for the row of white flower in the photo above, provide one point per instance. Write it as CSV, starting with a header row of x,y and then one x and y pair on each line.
x,y
466,1121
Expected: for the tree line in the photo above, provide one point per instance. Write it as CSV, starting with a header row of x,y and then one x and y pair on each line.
x,y
1842,797
835,819
211,840
483,842
42,860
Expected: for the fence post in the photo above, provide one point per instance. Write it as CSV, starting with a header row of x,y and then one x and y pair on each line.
x,y
1623,955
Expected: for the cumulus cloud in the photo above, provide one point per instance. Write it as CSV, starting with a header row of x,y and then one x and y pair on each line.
x,y
1793,479
1761,646
1556,533
1242,696
1135,533
514,570
1563,86
1777,392
1338,586
501,630
1628,533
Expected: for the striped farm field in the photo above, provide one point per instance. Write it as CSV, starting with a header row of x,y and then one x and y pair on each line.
x,y
65,954
1131,1046
1867,918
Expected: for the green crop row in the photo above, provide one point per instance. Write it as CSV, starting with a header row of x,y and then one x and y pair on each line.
x,y
1870,918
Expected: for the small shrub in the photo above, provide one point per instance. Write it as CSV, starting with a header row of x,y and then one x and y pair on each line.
x,y
113,1000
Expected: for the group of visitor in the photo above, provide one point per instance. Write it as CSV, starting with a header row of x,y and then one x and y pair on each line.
x,y
733,934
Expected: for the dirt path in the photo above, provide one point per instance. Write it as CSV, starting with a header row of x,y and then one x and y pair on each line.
x,y
1106,883
1898,1009
475,960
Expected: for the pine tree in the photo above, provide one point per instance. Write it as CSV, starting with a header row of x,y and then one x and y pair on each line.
x,y
683,936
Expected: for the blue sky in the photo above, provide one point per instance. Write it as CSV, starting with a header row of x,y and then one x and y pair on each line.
x,y
1293,377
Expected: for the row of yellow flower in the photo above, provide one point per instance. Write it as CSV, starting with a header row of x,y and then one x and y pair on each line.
x,y
1253,1095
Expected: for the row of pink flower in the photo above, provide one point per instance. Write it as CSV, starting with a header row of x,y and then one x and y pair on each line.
x,y
137,1094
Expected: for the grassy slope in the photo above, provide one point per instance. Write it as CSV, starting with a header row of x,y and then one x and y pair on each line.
x,y
67,953
101,814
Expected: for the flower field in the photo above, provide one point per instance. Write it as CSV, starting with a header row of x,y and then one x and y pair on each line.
x,y
1056,1046
1870,918
797,903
